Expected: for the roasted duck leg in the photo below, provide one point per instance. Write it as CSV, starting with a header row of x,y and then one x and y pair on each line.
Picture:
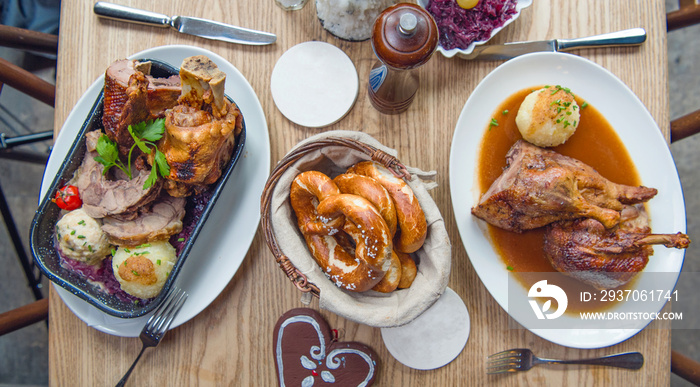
x,y
540,186
606,259
131,95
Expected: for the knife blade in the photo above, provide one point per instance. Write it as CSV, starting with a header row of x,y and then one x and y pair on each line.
x,y
630,37
187,25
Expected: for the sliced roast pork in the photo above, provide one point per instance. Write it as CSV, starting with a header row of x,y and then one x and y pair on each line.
x,y
160,222
103,196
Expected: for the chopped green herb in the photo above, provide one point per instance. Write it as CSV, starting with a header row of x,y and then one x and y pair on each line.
x,y
90,248
113,252
134,272
493,123
584,104
143,245
72,232
158,261
81,236
180,239
136,302
510,268
82,222
505,112
145,134
127,250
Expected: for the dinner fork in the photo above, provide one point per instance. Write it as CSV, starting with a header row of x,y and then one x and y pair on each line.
x,y
522,359
158,324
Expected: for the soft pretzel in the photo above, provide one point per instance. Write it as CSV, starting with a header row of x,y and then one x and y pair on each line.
x,y
392,277
364,225
408,270
309,188
330,248
370,189
412,227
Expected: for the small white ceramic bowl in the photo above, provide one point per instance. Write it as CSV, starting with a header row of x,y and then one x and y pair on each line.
x,y
521,4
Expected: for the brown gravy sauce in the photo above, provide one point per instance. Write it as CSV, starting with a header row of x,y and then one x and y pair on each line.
x,y
594,143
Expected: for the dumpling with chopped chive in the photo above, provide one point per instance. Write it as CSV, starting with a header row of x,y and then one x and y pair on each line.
x,y
548,116
143,270
80,237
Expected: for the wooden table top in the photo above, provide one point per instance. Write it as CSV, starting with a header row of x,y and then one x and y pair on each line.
x,y
230,342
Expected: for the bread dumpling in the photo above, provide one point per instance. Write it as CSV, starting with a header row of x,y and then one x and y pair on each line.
x,y
548,116
143,270
80,237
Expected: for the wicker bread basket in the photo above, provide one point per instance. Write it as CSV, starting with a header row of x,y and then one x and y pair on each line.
x,y
332,153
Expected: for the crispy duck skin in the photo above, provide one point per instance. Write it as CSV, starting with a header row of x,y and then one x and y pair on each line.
x,y
602,258
131,96
540,186
200,131
124,107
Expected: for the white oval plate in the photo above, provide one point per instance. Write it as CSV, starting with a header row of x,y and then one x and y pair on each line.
x,y
637,130
522,4
229,230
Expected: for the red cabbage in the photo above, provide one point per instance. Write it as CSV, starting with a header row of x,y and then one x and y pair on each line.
x,y
459,27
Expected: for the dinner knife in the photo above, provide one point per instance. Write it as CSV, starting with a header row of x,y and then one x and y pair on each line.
x,y
630,37
188,25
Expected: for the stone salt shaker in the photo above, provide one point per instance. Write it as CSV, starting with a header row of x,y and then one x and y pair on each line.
x,y
404,37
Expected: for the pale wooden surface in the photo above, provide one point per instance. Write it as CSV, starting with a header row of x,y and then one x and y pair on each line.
x,y
230,343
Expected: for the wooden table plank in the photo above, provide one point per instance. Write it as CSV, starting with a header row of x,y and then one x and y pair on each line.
x,y
230,342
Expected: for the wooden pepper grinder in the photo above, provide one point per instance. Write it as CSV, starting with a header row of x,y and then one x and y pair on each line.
x,y
404,37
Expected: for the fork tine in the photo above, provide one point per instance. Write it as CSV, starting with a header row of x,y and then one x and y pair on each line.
x,y
501,370
177,305
158,314
503,362
161,314
506,353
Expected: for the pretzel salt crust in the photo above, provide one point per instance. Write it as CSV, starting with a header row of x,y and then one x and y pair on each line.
x,y
364,225
412,226
330,248
370,189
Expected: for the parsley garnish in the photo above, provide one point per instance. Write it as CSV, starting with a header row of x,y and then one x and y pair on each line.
x,y
145,134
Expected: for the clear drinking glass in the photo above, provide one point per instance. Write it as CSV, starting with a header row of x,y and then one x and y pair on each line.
x,y
291,5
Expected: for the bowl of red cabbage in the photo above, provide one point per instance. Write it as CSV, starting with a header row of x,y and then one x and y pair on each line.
x,y
461,29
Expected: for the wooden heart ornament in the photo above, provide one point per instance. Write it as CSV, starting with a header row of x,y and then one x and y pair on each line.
x,y
306,353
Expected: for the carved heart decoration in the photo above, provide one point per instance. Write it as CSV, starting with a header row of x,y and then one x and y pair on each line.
x,y
306,354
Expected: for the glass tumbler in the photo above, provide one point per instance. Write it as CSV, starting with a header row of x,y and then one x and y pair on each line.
x,y
291,5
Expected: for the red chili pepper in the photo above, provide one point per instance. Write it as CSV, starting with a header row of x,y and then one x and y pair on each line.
x,y
68,198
